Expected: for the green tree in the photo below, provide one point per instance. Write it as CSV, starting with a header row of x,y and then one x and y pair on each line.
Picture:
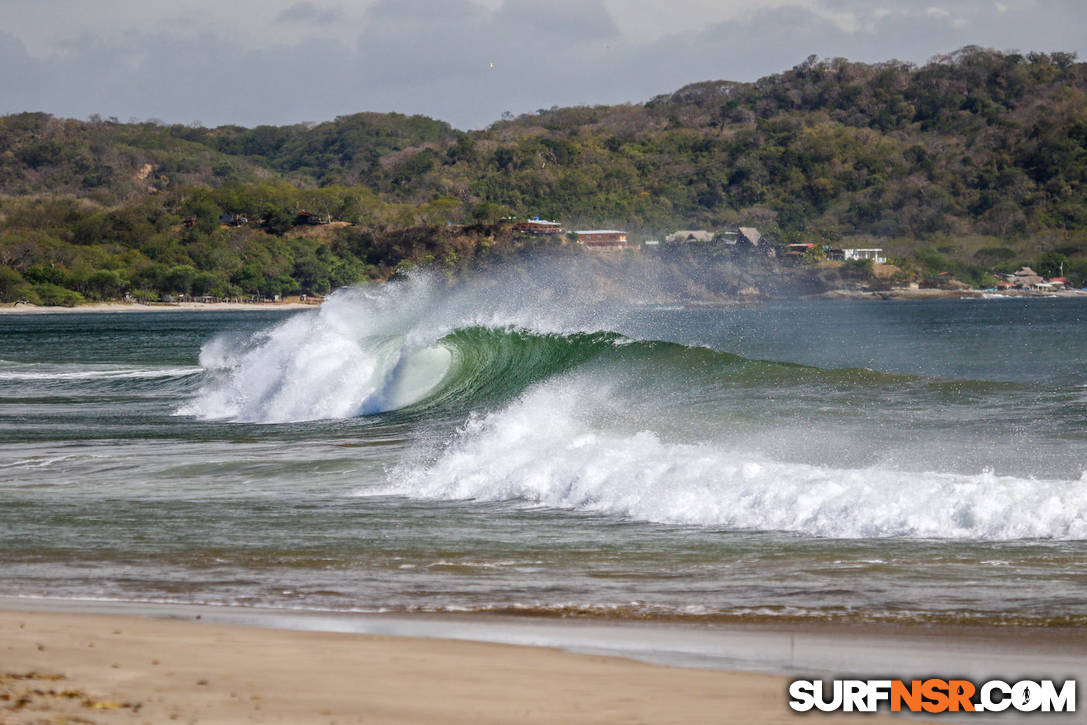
x,y
278,221
12,285
104,284
1051,264
178,280
815,254
55,295
207,283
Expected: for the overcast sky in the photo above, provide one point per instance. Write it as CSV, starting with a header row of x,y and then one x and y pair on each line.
x,y
464,61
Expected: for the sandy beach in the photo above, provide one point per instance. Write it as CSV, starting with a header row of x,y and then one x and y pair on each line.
x,y
93,668
104,662
25,309
898,294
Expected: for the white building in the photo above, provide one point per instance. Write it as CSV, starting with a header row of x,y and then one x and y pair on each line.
x,y
876,255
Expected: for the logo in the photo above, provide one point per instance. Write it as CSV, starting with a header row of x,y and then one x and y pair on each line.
x,y
932,695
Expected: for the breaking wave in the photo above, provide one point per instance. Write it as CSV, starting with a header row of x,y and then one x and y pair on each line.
x,y
404,346
538,403
543,450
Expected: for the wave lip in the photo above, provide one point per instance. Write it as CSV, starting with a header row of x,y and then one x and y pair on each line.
x,y
540,451
297,376
344,360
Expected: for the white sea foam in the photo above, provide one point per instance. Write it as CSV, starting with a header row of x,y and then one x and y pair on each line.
x,y
34,373
35,462
545,450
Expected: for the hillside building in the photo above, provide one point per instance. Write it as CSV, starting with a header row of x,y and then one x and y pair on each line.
x,y
602,238
844,255
538,227
750,241
689,235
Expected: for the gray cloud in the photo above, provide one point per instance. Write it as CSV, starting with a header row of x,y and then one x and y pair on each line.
x,y
434,57
563,21
12,51
307,12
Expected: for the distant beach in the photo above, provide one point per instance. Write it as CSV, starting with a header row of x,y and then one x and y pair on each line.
x,y
25,309
898,293
904,293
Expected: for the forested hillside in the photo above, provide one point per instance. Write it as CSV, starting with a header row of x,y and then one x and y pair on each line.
x,y
975,160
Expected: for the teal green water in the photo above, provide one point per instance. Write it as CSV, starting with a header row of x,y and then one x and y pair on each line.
x,y
415,449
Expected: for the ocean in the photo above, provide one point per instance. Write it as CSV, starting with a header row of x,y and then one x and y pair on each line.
x,y
520,447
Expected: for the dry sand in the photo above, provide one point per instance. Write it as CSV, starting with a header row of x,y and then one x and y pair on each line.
x,y
93,668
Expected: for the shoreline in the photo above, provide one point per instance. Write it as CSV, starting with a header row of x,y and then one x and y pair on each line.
x,y
135,307
896,294
60,667
655,672
902,293
759,645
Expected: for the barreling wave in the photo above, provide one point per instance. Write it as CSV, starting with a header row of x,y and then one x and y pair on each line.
x,y
397,349
276,378
279,381
373,351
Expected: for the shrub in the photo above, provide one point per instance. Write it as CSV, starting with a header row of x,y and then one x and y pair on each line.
x,y
55,295
10,284
858,269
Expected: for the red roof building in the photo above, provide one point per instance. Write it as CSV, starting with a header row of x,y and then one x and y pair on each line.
x,y
602,238
538,227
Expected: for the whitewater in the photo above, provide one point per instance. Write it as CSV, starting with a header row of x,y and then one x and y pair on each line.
x,y
526,442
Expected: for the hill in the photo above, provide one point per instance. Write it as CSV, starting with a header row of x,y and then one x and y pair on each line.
x,y
974,161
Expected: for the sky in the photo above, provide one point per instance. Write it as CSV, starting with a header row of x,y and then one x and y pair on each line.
x,y
467,62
